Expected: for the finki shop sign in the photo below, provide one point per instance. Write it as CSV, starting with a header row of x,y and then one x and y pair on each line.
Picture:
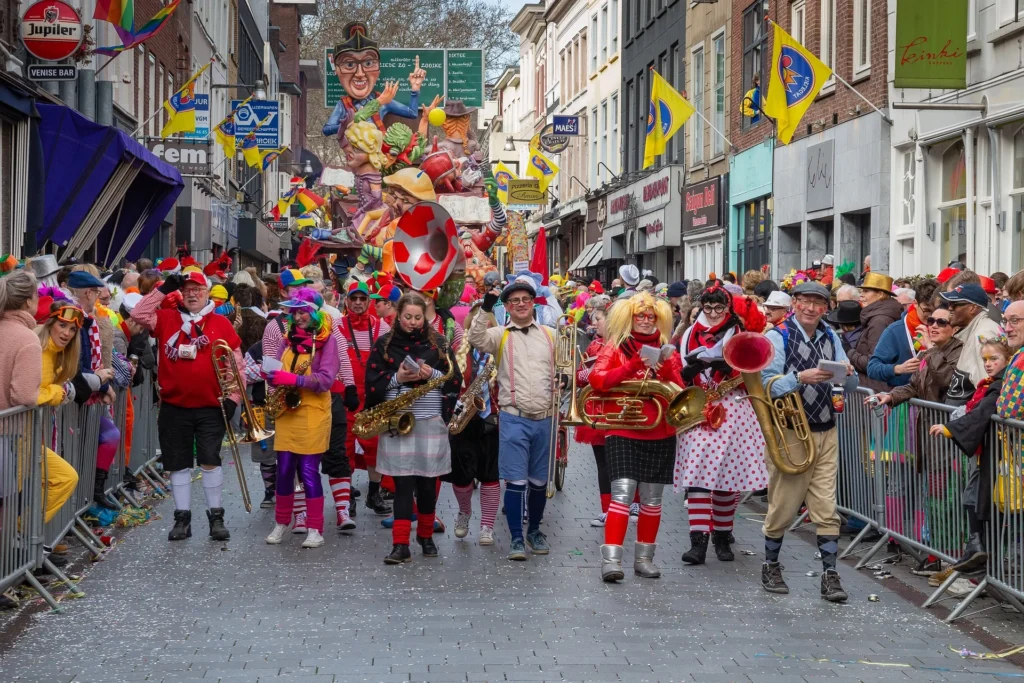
x,y
51,30
701,205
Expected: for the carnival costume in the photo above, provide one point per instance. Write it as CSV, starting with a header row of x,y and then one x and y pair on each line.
x,y
637,459
725,454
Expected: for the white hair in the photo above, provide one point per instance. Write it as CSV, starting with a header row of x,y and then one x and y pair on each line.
x,y
847,293
906,292
243,278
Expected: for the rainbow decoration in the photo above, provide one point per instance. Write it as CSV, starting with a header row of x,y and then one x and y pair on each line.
x,y
148,30
120,13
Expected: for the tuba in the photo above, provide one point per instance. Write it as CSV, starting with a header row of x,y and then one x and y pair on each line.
x,y
622,407
783,420
231,381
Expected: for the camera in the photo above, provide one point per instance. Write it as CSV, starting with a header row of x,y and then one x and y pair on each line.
x,y
187,351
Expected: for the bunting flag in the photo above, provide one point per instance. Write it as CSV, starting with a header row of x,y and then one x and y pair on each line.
x,y
225,130
541,168
795,77
181,107
286,200
251,151
310,200
148,30
502,175
120,13
269,156
666,114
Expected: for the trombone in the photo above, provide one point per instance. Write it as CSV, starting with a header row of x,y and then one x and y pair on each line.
x,y
231,380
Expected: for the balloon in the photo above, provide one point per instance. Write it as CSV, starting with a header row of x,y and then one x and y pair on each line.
x,y
437,117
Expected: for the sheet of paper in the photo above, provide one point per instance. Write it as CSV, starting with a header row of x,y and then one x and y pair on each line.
x,y
271,364
837,369
650,355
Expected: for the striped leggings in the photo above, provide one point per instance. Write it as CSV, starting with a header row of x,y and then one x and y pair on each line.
x,y
711,510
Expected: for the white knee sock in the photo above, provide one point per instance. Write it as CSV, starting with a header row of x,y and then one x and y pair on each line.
x,y
181,488
213,483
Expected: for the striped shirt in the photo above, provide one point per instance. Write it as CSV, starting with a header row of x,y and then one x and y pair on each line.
x,y
424,407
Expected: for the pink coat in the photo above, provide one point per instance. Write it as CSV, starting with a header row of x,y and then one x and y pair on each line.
x,y
21,360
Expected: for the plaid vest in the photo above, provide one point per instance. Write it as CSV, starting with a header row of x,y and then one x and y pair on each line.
x,y
803,354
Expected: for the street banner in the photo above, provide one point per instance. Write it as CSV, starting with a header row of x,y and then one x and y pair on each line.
x,y
931,44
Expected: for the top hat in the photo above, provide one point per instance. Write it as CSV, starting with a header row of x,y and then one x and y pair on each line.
x,y
873,280
356,38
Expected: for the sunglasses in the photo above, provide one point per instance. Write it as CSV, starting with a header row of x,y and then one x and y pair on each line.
x,y
70,314
938,322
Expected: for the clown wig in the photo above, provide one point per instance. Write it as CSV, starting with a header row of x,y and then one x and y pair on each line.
x,y
620,317
320,322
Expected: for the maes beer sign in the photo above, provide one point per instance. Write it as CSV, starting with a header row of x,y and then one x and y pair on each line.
x,y
51,30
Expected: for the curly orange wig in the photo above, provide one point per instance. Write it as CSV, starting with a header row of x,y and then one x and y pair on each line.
x,y
620,317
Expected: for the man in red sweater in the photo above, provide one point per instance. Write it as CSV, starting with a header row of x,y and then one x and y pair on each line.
x,y
190,410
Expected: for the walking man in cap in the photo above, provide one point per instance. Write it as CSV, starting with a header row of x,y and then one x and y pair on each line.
x,y
968,308
524,353
800,343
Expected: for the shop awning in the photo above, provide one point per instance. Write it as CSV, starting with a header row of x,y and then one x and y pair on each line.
x,y
595,257
102,187
584,257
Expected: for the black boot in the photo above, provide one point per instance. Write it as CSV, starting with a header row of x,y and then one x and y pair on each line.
x,y
399,554
182,528
98,488
429,548
721,541
218,531
974,557
375,503
698,548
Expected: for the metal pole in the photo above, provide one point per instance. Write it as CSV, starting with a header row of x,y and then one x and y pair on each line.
x,y
857,93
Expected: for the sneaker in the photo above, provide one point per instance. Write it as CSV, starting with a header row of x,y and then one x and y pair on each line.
x,y
599,521
961,587
300,524
486,536
462,525
313,539
634,512
771,578
927,568
831,589
277,535
537,543
345,522
936,580
438,526
268,499
517,550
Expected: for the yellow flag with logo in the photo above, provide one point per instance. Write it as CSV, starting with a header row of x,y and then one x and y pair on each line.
x,y
795,76
667,113
502,175
542,168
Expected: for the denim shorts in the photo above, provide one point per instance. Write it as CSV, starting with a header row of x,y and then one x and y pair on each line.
x,y
523,447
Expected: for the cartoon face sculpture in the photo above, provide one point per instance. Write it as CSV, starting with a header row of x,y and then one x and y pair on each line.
x,y
358,71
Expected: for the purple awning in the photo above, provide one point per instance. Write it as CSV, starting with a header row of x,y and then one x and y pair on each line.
x,y
81,158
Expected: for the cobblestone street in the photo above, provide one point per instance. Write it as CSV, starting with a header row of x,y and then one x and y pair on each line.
x,y
243,611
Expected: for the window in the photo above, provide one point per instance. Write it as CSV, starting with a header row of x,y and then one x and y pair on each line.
x,y
909,169
171,90
628,135
1017,198
753,51
581,82
697,98
718,81
151,82
139,82
1006,12
594,170
613,27
563,78
798,14
638,21
593,45
648,10
627,15
953,209
604,34
1018,160
674,74
861,36
972,12
754,248
827,48
604,132
613,159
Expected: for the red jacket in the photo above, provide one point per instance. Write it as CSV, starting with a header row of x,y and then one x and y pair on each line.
x,y
613,367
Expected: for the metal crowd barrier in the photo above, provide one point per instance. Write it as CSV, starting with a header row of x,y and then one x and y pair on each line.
x,y
72,433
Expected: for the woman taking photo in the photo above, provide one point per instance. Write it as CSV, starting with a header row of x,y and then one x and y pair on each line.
x,y
589,435
637,459
725,454
309,360
415,460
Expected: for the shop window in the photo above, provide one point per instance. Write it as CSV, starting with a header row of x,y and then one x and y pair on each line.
x,y
1018,160
953,209
754,246
954,173
909,169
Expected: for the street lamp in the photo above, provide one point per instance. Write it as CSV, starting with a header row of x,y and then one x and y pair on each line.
x,y
510,145
307,167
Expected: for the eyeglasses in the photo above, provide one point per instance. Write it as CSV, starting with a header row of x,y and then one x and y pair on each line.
x,y
938,322
349,66
644,317
358,297
520,301
810,302
70,314
713,310
953,305
1012,320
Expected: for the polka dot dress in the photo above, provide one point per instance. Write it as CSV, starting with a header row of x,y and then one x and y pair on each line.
x,y
730,458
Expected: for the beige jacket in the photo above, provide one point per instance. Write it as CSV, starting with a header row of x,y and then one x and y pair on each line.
x,y
526,365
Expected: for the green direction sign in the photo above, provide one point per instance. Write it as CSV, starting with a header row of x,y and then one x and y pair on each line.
x,y
460,71
465,75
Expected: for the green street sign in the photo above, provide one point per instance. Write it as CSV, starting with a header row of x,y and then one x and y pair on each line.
x,y
460,73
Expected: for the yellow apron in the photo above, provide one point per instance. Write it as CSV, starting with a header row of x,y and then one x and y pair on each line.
x,y
307,429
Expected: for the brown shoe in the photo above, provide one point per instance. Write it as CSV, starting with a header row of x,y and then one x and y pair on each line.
x,y
938,579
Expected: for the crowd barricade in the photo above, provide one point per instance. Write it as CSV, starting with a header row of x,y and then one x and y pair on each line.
x,y
28,437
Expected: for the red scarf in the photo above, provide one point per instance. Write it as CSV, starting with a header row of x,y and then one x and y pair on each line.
x,y
95,349
979,393
631,346
361,321
707,336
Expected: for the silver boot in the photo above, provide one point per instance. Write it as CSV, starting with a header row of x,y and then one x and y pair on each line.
x,y
611,562
643,561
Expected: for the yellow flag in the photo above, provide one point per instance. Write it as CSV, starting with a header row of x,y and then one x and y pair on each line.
x,y
666,114
181,107
795,77
541,168
501,176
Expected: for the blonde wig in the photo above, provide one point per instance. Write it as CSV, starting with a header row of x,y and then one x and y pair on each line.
x,y
366,137
620,317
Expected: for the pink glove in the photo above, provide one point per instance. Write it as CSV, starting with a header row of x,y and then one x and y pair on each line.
x,y
280,378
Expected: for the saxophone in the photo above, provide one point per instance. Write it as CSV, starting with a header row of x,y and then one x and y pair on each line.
x,y
393,417
280,399
471,403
